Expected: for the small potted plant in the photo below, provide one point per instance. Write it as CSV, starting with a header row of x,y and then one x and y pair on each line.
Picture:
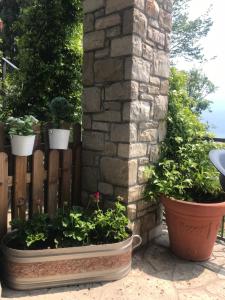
x,y
21,131
61,114
75,246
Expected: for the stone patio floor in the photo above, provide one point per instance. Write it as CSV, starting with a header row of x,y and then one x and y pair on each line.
x,y
156,274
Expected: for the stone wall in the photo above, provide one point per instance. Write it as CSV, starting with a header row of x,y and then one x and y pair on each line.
x,y
125,100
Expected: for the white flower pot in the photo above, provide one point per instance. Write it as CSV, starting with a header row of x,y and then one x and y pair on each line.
x,y
22,145
59,138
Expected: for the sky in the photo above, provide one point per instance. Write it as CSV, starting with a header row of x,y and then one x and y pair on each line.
x,y
214,46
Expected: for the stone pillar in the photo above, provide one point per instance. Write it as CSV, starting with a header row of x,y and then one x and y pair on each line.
x,y
125,100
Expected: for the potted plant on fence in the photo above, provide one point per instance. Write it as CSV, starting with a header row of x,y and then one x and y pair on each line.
x,y
61,114
21,131
75,246
185,180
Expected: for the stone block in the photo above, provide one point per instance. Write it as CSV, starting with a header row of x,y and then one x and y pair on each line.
x,y
110,149
86,121
165,20
132,150
161,66
88,22
92,99
135,21
112,106
137,68
99,13
122,91
162,131
112,32
143,161
147,52
142,177
108,21
105,188
100,126
94,40
160,107
152,8
102,53
108,116
156,36
154,153
108,70
92,5
164,87
117,5
148,135
88,71
119,172
132,212
126,45
93,140
90,158
90,179
124,132
136,111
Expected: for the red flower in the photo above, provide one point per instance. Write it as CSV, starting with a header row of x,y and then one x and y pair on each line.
x,y
97,196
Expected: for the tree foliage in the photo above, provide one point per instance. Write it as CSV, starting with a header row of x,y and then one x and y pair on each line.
x,y
186,34
199,87
49,56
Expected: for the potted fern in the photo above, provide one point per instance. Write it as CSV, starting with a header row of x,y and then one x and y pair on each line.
x,y
21,131
61,113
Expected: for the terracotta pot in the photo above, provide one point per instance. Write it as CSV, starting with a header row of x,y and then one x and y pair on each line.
x,y
31,269
192,227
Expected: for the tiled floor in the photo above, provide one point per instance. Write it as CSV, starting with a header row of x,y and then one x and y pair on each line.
x,y
156,274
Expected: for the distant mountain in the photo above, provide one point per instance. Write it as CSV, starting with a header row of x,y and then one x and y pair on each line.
x,y
216,118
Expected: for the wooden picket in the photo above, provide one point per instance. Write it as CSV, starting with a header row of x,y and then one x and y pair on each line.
x,y
44,182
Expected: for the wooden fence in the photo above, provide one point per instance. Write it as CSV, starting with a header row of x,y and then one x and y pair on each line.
x,y
43,182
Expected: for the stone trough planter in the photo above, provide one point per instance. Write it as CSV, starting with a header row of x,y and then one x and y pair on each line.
x,y
34,269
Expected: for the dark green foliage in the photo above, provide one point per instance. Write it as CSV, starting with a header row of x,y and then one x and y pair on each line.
x,y
49,56
61,111
184,170
76,227
186,33
9,13
110,226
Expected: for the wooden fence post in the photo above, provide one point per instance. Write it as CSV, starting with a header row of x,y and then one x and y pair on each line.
x,y
3,193
76,187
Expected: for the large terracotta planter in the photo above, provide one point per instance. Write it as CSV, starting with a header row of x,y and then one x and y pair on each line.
x,y
192,227
31,269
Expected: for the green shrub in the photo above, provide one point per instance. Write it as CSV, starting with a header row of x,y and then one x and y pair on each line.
x,y
61,111
76,227
184,170
21,126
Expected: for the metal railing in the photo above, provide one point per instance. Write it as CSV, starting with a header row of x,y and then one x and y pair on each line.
x,y
221,235
5,63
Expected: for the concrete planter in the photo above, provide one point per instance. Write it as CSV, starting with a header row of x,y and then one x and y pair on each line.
x,y
34,269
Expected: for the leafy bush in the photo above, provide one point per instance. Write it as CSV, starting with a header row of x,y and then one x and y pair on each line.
x,y
72,228
184,170
21,126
